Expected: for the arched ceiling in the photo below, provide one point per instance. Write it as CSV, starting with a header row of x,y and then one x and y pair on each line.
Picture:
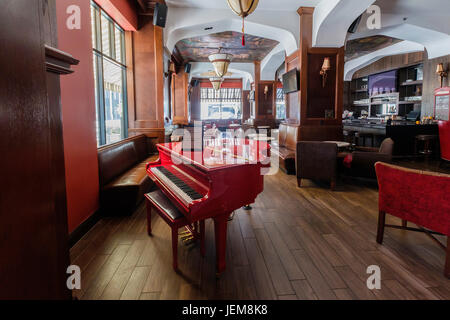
x,y
273,5
362,46
198,49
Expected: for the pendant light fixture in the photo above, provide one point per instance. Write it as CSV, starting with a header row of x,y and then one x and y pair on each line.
x,y
221,61
243,8
216,83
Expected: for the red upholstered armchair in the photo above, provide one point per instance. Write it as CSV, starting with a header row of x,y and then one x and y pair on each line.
x,y
416,196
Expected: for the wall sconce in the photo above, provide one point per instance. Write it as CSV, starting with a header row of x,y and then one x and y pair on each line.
x,y
171,69
441,72
266,91
326,66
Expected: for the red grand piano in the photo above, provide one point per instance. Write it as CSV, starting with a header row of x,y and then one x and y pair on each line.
x,y
213,182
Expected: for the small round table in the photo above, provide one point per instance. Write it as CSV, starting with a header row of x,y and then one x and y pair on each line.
x,y
340,144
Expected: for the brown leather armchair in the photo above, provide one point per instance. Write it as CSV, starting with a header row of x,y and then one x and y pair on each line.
x,y
317,161
123,177
361,163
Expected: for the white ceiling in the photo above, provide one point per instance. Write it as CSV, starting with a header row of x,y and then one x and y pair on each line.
x,y
274,5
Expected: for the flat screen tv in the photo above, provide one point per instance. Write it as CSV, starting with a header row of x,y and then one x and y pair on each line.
x,y
291,81
385,82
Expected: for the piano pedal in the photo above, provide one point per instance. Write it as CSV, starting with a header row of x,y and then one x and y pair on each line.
x,y
187,237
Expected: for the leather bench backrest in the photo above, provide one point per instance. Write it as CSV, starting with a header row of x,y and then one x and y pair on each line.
x,y
282,131
140,144
115,160
292,137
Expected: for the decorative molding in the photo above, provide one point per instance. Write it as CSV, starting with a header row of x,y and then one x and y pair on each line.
x,y
305,10
59,62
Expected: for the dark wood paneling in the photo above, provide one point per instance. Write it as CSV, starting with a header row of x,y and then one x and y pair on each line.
x,y
389,63
245,105
293,99
195,103
266,101
34,247
320,98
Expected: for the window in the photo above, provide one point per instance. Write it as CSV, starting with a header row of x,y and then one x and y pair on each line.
x,y
281,104
223,104
108,42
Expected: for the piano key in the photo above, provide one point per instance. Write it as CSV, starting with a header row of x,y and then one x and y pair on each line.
x,y
177,184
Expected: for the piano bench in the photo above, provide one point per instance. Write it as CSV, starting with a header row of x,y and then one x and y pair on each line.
x,y
158,202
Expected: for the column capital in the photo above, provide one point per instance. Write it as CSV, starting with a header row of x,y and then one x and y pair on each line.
x,y
305,10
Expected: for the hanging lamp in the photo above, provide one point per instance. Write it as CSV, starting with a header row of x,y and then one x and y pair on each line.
x,y
221,61
243,8
216,83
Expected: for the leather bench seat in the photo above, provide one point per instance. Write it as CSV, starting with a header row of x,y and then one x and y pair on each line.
x,y
159,199
123,177
288,136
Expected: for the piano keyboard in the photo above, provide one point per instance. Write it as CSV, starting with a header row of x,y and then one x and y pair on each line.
x,y
176,184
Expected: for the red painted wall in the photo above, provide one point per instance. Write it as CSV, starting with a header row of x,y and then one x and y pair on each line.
x,y
124,12
78,110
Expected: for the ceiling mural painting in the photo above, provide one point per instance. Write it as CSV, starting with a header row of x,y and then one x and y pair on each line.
x,y
360,47
198,49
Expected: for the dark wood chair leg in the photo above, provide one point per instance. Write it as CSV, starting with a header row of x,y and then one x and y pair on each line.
x,y
299,182
175,248
333,185
202,238
149,219
404,223
381,223
447,260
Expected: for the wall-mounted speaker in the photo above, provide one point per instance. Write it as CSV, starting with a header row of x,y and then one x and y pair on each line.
x,y
160,15
187,68
354,27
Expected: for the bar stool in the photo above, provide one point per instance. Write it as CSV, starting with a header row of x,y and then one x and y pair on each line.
x,y
363,136
429,144
349,136
158,202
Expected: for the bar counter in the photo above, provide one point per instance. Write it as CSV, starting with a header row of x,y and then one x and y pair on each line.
x,y
402,132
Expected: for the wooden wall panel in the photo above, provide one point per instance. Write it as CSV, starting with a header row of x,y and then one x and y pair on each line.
x,y
320,98
293,99
195,104
180,98
146,92
34,246
245,105
266,101
389,63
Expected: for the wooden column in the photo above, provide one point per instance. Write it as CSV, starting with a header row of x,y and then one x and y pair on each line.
x,y
256,84
317,109
145,52
180,86
34,250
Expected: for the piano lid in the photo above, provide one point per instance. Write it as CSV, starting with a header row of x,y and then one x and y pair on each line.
x,y
223,154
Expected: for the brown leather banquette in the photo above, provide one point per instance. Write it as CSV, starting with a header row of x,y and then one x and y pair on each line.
x,y
123,179
289,135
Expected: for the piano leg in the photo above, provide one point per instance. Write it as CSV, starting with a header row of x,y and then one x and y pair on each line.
x,y
202,238
149,218
220,230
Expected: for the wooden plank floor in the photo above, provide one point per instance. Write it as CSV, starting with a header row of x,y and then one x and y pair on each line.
x,y
307,243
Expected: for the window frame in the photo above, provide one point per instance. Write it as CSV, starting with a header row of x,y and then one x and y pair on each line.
x,y
98,59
